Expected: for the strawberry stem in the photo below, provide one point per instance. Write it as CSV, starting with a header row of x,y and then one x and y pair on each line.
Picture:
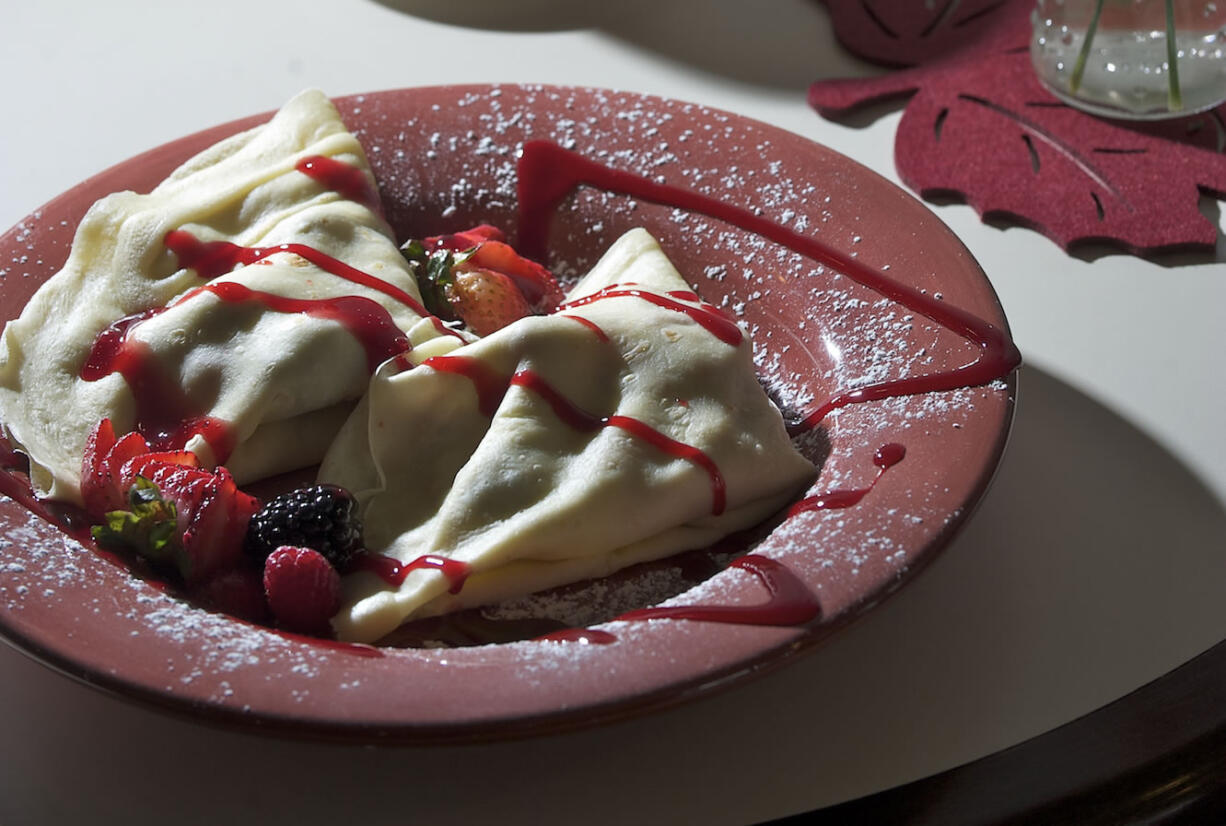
x,y
148,526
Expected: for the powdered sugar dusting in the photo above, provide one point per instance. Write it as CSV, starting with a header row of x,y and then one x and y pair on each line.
x,y
847,336
42,569
450,163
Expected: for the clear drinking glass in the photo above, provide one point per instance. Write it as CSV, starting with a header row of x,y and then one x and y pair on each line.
x,y
1138,59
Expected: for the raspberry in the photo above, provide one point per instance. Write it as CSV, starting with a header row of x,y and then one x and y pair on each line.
x,y
322,517
303,589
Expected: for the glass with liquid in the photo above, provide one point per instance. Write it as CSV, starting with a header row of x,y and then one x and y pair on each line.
x,y
1139,59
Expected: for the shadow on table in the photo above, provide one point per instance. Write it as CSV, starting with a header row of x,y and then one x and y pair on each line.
x,y
1153,756
1093,566
782,45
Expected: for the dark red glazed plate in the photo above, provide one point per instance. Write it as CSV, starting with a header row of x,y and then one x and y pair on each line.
x,y
858,344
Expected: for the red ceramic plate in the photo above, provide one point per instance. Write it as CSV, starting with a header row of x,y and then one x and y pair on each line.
x,y
445,158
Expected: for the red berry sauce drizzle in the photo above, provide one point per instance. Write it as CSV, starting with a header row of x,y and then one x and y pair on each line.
x,y
547,174
588,323
164,415
716,323
489,384
585,422
212,259
346,180
885,458
491,388
790,603
394,572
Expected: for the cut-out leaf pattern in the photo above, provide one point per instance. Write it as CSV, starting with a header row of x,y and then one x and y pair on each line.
x,y
980,126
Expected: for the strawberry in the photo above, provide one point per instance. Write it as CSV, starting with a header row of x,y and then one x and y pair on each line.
x,y
303,589
98,490
163,505
104,481
99,486
440,259
536,283
129,447
467,239
212,515
485,300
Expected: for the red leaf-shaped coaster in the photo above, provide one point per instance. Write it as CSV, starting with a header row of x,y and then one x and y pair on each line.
x,y
981,126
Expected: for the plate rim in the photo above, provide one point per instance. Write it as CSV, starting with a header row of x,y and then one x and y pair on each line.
x,y
794,642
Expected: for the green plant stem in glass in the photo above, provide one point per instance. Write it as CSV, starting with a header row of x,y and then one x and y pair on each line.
x,y
1174,96
1126,58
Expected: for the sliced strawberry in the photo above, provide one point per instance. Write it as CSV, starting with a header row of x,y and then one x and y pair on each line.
x,y
102,487
491,252
140,464
164,505
129,447
467,239
98,489
212,514
303,589
537,283
100,440
486,300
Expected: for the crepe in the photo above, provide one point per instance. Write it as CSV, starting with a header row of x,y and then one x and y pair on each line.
x,y
277,382
554,476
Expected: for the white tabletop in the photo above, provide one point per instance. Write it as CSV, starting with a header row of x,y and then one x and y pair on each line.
x,y
1095,564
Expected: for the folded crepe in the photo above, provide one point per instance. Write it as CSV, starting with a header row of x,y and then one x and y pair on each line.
x,y
626,427
259,373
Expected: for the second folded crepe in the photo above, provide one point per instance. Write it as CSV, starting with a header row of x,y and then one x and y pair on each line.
x,y
626,427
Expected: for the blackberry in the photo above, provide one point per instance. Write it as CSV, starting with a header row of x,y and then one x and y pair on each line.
x,y
322,517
